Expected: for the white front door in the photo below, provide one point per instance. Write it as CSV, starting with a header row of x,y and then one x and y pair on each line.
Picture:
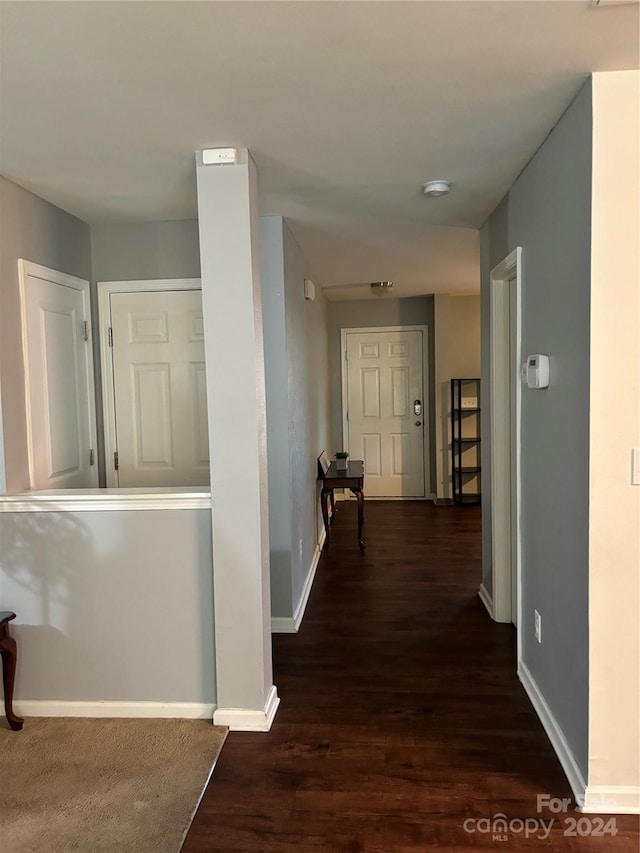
x,y
159,388
385,388
59,374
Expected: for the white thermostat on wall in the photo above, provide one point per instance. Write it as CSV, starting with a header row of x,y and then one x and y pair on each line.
x,y
309,290
535,372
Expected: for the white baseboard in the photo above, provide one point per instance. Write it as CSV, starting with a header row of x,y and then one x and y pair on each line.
x,y
486,599
248,719
291,624
168,710
283,625
554,733
612,799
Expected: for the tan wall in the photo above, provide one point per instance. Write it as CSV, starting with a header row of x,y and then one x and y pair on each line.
x,y
614,510
457,354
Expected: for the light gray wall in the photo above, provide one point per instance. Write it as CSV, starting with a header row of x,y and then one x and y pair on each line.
x,y
114,606
277,390
298,422
144,250
35,230
549,214
309,407
412,311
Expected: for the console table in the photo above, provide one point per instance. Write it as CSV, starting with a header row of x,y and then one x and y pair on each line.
x,y
8,650
334,478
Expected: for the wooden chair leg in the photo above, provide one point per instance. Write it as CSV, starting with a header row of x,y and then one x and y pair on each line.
x,y
9,651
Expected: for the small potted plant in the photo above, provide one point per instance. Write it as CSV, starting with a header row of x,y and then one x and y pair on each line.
x,y
341,460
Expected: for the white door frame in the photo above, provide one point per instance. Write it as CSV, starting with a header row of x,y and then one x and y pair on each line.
x,y
105,289
26,269
426,446
500,440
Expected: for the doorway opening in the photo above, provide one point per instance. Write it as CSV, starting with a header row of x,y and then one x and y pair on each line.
x,y
154,390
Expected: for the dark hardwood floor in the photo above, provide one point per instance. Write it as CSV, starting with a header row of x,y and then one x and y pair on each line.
x,y
402,720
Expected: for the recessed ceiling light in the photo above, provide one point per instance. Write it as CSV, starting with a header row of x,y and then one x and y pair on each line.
x,y
436,188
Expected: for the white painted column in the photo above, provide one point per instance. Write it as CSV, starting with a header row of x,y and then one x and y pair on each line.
x,y
228,224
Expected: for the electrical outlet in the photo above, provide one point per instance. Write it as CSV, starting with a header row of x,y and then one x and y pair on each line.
x,y
537,625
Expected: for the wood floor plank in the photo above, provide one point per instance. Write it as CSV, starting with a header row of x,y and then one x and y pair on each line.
x,y
402,716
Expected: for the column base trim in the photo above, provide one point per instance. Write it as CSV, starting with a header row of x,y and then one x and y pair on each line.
x,y
249,719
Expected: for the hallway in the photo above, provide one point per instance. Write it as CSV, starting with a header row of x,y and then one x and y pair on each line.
x,y
401,717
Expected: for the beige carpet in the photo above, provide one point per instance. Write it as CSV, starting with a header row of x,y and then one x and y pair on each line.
x,y
130,786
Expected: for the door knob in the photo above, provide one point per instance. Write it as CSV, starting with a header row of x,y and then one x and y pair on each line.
x,y
418,423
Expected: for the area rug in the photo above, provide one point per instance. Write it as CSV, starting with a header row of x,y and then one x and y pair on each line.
x,y
132,786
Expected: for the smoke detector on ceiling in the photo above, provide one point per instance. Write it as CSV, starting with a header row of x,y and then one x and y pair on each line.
x,y
436,188
381,287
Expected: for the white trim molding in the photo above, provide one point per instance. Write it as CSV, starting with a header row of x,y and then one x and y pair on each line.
x,y
28,269
502,511
246,719
105,289
283,625
554,733
146,710
107,500
611,799
291,624
486,599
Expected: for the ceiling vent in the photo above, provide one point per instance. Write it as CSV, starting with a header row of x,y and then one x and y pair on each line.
x,y
381,287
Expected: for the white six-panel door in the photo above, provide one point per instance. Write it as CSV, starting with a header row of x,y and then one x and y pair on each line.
x,y
61,429
159,388
384,380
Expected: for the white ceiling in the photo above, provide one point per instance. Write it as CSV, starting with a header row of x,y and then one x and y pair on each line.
x,y
347,108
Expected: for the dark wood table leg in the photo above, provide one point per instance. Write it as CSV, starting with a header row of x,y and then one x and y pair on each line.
x,y
360,495
9,652
325,514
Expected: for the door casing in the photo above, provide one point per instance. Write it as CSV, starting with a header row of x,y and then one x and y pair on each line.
x,y
105,289
25,270
426,443
505,517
